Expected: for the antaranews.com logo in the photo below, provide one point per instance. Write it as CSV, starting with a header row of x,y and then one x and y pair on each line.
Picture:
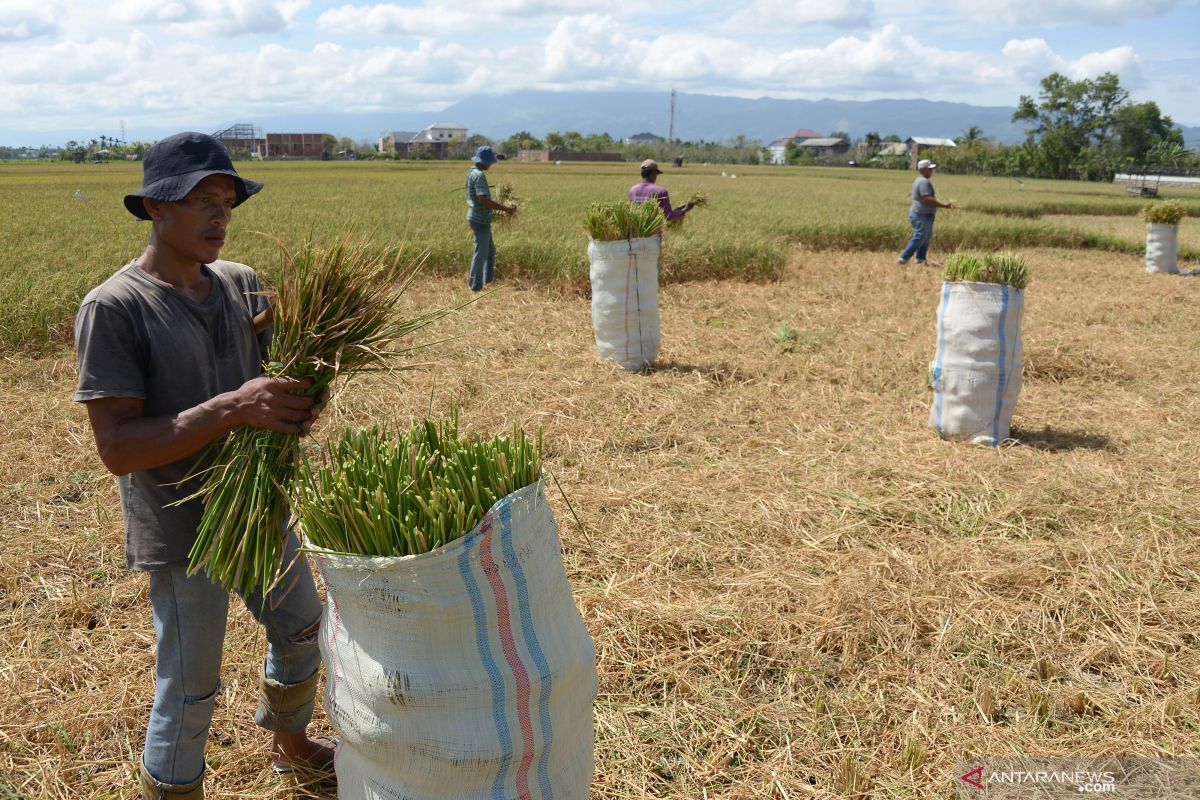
x,y
1053,778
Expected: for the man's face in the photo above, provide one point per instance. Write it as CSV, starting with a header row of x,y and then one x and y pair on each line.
x,y
926,172
194,227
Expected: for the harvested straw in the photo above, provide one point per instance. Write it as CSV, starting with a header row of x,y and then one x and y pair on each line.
x,y
695,201
1164,212
610,222
335,314
378,494
1004,267
506,195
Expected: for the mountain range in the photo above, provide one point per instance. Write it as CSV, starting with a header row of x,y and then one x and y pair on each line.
x,y
698,117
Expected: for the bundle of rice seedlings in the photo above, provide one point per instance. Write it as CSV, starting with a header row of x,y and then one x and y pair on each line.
x,y
610,222
335,314
1164,212
1003,267
381,494
506,195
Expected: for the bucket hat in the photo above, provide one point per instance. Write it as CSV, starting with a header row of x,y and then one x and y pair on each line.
x,y
484,155
173,167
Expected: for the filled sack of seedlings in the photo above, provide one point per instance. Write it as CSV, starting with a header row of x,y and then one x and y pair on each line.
x,y
1162,247
976,374
624,276
462,673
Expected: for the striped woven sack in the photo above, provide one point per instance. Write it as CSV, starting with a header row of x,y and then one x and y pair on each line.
x,y
976,374
624,276
464,673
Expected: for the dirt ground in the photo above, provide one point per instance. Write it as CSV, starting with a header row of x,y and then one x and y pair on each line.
x,y
795,588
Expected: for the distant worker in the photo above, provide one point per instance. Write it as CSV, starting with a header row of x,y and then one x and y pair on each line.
x,y
480,206
648,189
924,206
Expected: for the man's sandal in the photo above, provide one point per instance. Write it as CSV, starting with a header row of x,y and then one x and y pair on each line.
x,y
290,768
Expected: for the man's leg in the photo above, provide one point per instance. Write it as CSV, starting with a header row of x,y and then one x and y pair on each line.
x,y
291,617
489,271
926,238
189,627
914,243
483,243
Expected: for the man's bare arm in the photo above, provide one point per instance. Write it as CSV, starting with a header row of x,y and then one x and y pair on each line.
x,y
129,442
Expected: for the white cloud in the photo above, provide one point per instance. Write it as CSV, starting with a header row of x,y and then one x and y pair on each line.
x,y
447,17
23,19
1039,14
392,19
213,17
775,15
1033,59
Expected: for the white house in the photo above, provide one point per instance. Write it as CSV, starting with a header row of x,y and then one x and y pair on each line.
x,y
448,132
778,148
436,139
919,144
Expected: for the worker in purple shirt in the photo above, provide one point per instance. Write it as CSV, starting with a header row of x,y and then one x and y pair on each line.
x,y
649,190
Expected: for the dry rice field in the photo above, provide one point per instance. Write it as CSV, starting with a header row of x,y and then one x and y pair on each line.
x,y
795,588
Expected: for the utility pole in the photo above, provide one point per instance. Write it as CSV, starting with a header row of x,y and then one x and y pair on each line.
x,y
671,127
122,131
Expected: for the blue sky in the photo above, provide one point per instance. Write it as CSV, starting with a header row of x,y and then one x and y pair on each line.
x,y
68,65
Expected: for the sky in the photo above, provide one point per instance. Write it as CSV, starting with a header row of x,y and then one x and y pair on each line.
x,y
69,65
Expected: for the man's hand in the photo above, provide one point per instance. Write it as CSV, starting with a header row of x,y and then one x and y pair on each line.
x,y
270,403
314,412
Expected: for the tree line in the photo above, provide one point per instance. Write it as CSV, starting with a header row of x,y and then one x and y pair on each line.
x,y
1078,130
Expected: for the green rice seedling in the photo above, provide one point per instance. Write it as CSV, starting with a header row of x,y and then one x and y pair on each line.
x,y
1164,212
1005,268
610,222
335,314
382,494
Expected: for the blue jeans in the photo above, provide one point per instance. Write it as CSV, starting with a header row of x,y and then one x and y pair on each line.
x,y
483,262
189,626
922,225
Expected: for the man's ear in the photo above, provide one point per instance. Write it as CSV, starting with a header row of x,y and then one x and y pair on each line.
x,y
153,208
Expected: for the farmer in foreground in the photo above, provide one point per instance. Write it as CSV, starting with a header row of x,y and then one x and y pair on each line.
x,y
920,215
170,361
649,189
480,206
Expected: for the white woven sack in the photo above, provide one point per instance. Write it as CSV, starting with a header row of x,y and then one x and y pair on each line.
x,y
976,374
624,277
464,673
1162,247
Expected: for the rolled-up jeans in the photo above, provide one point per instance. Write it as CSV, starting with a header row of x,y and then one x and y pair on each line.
x,y
483,262
922,225
189,624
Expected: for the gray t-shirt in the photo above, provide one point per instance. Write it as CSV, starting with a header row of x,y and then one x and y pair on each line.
x,y
138,337
922,188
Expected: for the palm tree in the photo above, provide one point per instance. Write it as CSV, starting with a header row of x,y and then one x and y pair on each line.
x,y
972,134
